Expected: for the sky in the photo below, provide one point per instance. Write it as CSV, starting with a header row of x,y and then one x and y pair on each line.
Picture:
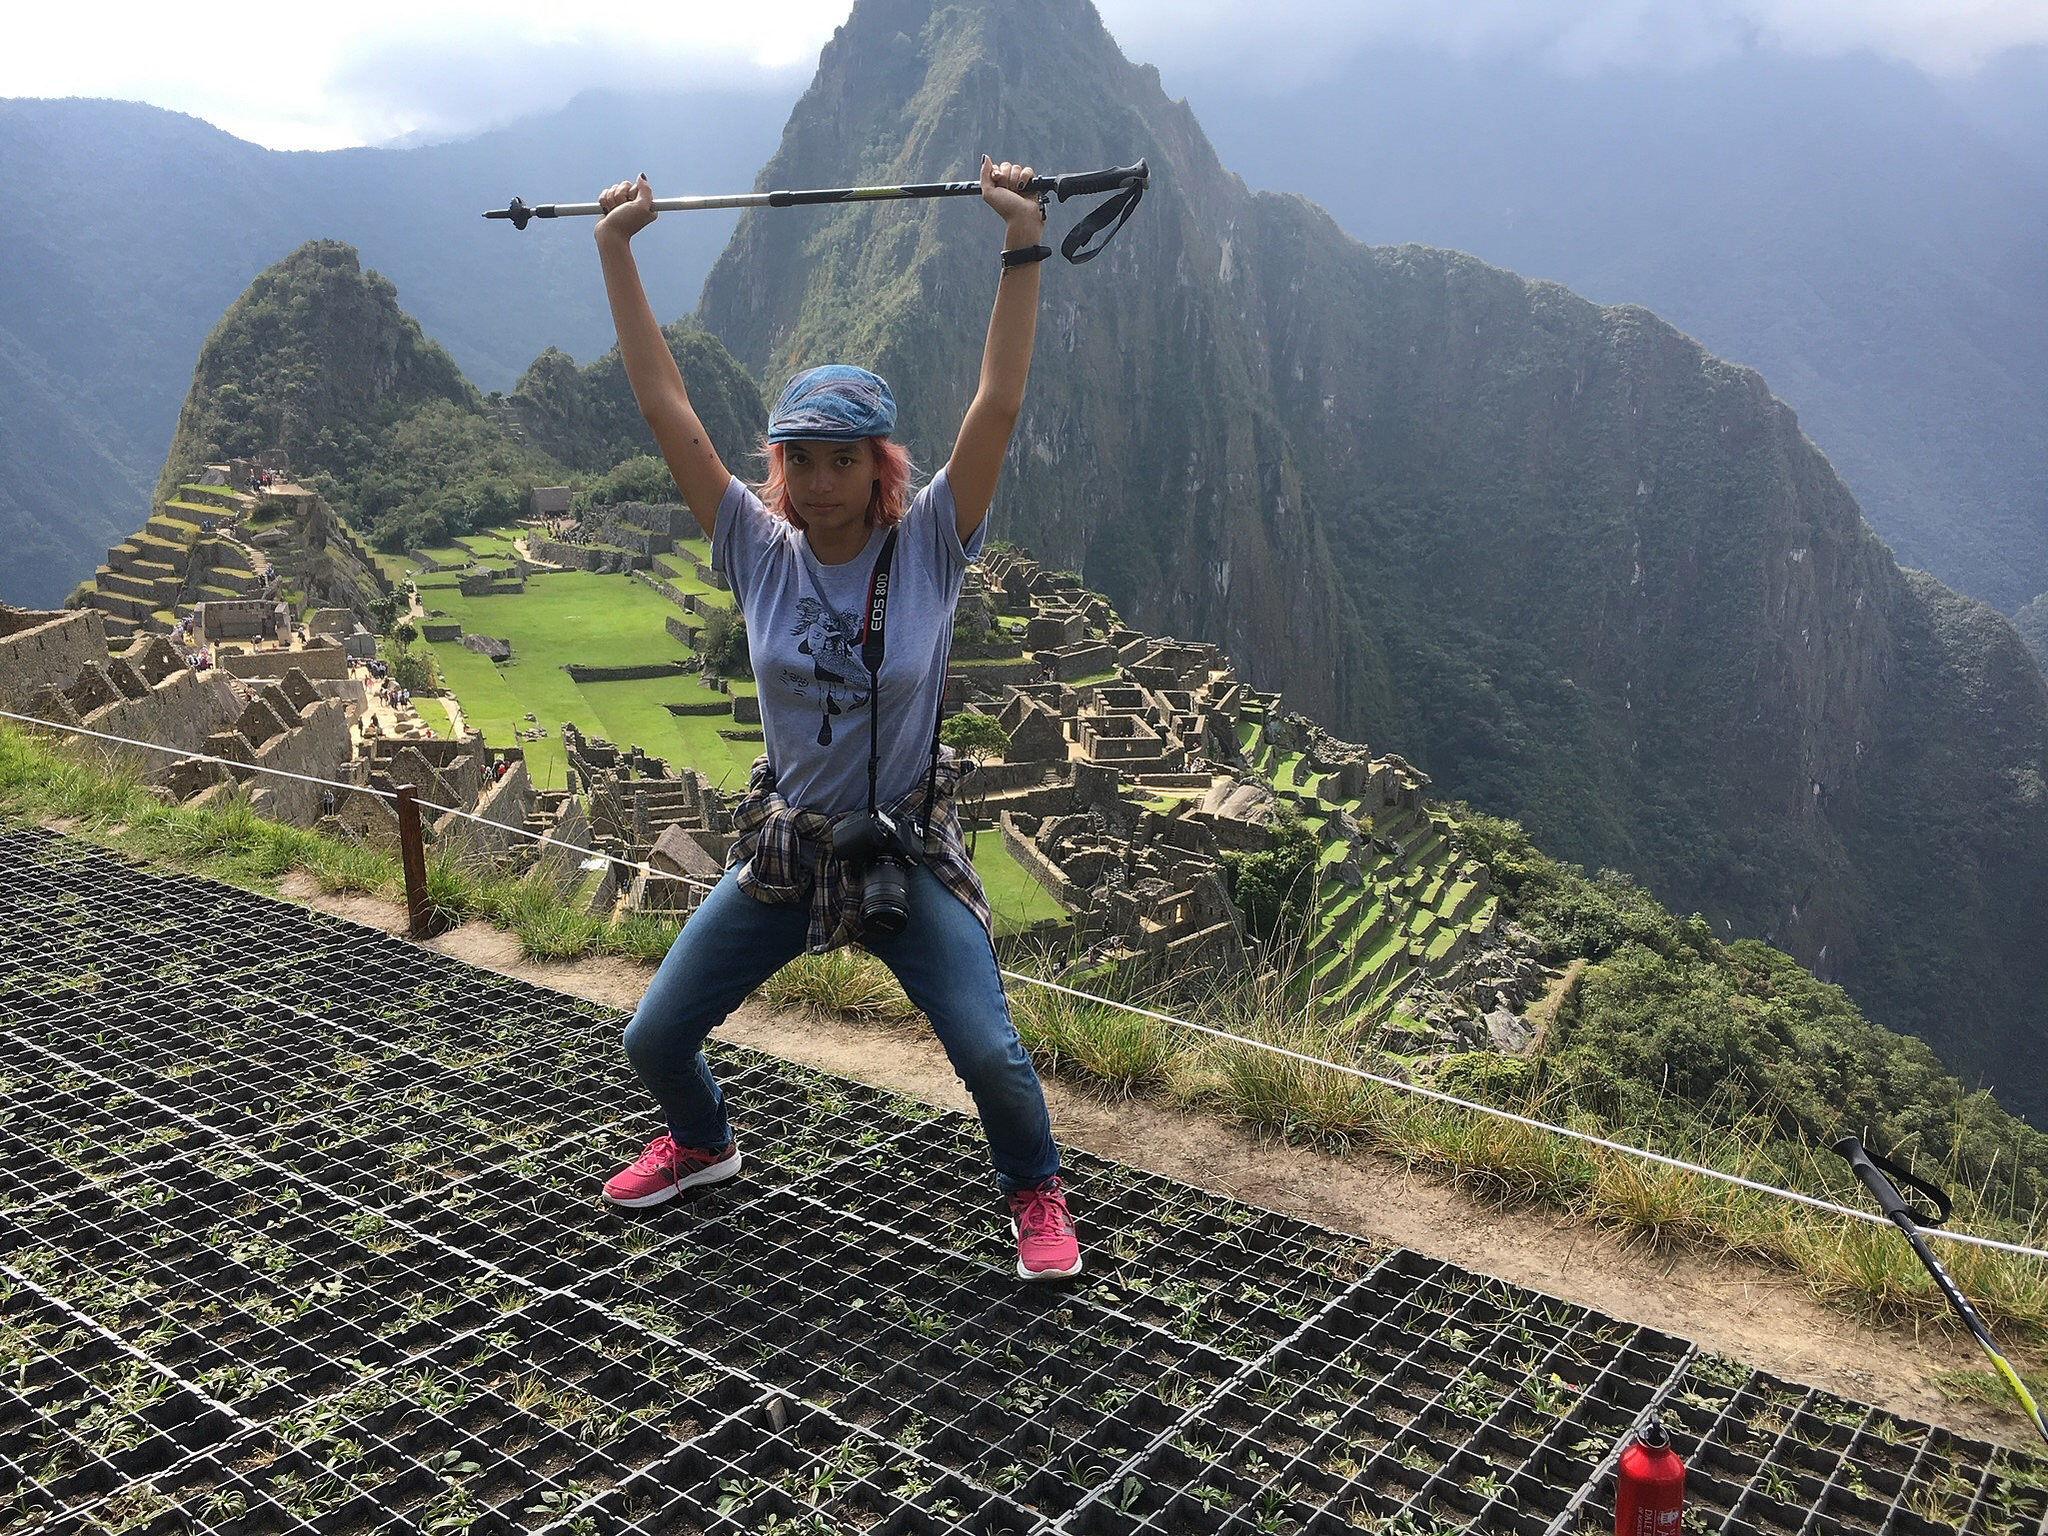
x,y
375,71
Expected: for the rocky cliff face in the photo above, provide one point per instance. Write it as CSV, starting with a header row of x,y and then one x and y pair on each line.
x,y
1584,573
1629,603
1149,454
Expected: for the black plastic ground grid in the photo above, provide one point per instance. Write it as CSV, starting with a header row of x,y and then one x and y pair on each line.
x,y
299,1232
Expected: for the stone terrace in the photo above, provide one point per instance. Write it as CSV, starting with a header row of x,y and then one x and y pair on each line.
x,y
1122,796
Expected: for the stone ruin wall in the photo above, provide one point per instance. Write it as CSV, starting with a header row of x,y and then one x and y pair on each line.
x,y
1066,802
46,650
58,667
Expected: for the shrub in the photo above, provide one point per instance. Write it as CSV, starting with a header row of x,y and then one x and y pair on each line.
x,y
722,642
981,735
1275,890
413,671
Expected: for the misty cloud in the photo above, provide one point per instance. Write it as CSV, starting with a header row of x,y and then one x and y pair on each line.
x,y
441,87
375,70
1282,39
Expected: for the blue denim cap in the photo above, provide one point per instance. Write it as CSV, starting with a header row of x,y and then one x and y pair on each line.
x,y
836,404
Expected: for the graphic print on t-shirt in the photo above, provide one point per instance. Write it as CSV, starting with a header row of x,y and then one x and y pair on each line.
x,y
836,672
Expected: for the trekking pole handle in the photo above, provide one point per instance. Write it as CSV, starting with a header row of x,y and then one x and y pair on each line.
x,y
1873,1170
1080,183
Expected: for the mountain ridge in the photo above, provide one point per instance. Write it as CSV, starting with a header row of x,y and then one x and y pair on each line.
x,y
1582,572
107,306
1739,200
1838,222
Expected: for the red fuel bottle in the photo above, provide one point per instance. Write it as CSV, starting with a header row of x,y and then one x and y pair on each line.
x,y
1649,1485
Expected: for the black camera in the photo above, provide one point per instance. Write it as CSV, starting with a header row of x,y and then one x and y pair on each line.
x,y
877,854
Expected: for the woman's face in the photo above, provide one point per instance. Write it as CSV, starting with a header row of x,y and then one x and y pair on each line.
x,y
830,484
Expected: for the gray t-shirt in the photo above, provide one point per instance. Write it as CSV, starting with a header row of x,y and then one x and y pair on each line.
x,y
803,634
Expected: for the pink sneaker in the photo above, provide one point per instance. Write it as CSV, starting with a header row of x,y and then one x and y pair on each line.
x,y
665,1170
1047,1248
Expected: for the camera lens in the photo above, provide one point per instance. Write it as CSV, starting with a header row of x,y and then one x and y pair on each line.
x,y
885,897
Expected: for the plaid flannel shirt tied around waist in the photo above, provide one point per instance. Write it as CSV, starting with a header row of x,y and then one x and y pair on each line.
x,y
784,854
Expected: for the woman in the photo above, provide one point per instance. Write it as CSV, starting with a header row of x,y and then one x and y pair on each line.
x,y
804,567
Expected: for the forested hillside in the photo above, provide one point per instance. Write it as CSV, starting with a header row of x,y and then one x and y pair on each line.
x,y
318,358
1583,572
586,418
104,308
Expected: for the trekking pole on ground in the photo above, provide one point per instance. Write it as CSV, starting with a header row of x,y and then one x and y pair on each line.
x,y
1873,1170
1084,241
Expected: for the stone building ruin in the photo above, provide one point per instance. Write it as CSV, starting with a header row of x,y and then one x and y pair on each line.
x,y
1139,770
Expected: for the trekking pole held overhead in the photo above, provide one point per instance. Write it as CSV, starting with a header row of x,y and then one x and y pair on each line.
x,y
1128,183
1877,1174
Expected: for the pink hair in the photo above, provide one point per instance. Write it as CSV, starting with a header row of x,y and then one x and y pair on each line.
x,y
885,508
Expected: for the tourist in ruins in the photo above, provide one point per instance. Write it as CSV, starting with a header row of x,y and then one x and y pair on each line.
x,y
802,553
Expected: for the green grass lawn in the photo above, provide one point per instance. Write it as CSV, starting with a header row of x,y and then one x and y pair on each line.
x,y
581,616
1017,900
682,575
615,621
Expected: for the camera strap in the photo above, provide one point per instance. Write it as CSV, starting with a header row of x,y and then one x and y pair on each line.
x,y
871,642
873,633
873,636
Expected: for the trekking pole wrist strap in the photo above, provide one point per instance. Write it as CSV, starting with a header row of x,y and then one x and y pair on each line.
x,y
1883,1177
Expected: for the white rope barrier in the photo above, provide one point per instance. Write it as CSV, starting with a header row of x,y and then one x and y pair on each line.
x,y
201,757
1477,1107
590,853
1472,1106
361,789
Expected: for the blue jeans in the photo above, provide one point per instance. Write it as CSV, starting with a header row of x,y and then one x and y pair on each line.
x,y
732,943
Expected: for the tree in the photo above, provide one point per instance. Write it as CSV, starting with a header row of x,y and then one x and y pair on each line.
x,y
976,735
645,478
1276,890
413,671
722,642
405,632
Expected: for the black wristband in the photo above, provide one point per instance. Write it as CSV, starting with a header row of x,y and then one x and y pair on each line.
x,y
1024,255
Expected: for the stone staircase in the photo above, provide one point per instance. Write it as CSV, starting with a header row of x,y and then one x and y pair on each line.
x,y
144,577
173,562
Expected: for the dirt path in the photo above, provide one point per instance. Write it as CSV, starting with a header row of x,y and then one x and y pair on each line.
x,y
1763,1317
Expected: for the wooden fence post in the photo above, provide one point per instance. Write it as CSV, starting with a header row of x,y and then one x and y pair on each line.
x,y
412,847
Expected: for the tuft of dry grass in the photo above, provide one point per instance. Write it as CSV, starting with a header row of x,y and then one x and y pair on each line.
x,y
845,981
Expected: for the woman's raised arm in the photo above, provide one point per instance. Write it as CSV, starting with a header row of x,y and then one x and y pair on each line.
x,y
650,367
977,458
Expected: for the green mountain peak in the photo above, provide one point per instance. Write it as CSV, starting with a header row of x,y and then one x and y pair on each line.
x,y
1584,573
313,358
